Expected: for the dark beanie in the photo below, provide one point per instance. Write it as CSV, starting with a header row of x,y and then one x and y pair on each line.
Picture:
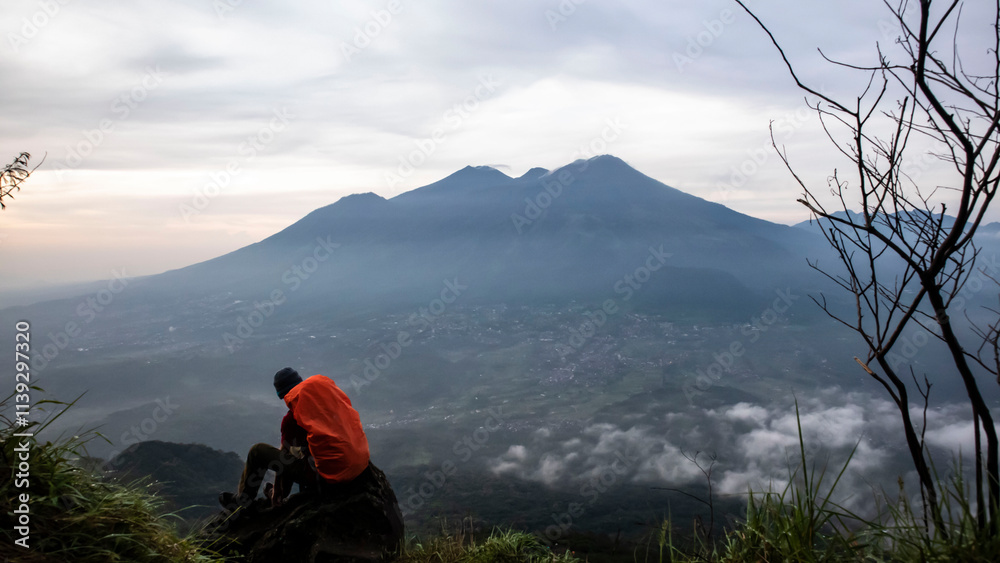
x,y
284,380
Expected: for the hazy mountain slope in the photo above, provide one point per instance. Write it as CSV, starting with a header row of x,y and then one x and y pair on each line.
x,y
569,234
539,251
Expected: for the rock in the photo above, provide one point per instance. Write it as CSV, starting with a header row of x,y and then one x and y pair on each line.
x,y
361,522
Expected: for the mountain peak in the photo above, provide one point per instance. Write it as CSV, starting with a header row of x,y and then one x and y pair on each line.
x,y
366,198
607,161
466,179
603,168
480,173
533,174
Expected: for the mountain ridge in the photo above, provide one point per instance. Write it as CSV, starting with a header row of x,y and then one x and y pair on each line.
x,y
571,234
561,235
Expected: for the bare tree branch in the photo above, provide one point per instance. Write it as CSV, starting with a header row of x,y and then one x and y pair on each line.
x,y
903,260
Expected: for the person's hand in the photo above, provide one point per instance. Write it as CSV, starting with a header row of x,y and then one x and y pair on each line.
x,y
276,499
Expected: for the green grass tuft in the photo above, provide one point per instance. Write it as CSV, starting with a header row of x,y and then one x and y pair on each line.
x,y
502,546
802,523
76,516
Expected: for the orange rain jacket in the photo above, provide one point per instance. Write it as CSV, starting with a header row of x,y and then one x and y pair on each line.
x,y
333,428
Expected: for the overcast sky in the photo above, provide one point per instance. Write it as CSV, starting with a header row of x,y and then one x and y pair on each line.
x,y
178,131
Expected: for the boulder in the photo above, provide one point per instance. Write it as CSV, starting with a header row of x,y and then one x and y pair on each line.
x,y
358,522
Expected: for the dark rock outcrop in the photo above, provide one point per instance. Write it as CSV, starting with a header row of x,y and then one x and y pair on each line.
x,y
359,522
187,476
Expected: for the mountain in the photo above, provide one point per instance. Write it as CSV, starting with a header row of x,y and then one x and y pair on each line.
x,y
986,240
985,231
593,234
578,233
489,279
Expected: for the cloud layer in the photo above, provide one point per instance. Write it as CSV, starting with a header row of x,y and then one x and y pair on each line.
x,y
755,447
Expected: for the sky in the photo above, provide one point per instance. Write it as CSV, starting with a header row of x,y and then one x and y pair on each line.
x,y
174,132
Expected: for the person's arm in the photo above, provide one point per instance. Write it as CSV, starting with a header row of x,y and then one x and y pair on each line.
x,y
288,431
288,426
277,492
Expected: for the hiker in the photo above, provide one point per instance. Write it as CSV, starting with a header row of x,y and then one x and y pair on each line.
x,y
323,446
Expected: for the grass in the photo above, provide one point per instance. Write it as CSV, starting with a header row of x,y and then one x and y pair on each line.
x,y
76,516
802,523
962,540
501,546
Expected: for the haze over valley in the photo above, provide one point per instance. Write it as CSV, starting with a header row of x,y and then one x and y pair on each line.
x,y
566,335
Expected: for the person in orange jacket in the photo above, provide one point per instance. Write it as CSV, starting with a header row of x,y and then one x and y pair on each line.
x,y
323,445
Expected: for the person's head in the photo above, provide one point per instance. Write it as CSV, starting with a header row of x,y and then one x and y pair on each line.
x,y
284,380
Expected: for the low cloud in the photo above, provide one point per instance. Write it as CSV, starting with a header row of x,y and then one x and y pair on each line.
x,y
646,457
756,446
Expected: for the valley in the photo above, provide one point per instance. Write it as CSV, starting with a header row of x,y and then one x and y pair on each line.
x,y
630,333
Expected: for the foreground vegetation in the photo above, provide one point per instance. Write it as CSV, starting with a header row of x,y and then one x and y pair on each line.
x,y
500,545
801,522
77,516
